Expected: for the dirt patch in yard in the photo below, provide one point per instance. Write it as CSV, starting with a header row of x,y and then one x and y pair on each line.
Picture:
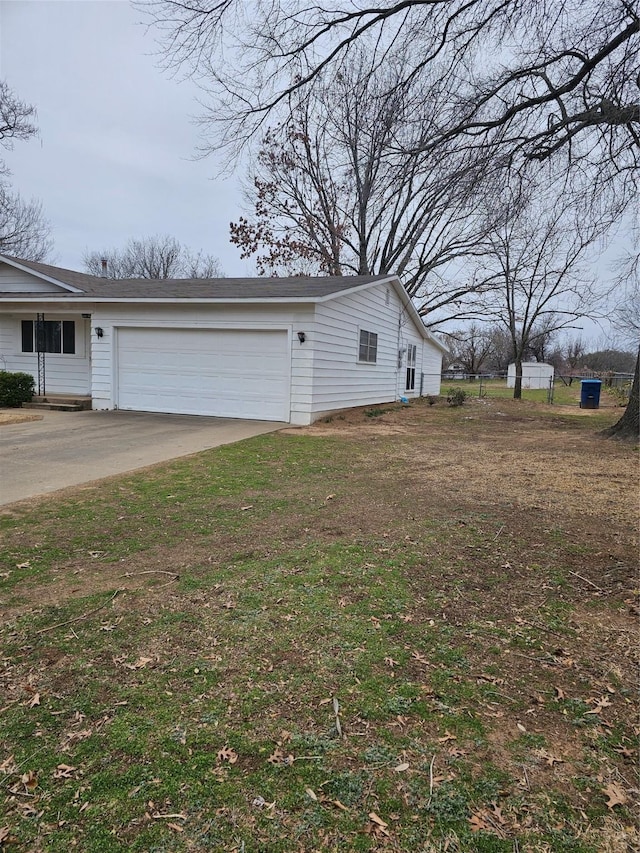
x,y
17,416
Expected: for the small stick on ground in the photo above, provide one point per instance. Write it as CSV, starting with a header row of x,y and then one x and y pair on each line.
x,y
150,572
431,776
586,580
78,618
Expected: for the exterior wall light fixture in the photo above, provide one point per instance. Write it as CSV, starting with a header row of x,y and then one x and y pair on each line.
x,y
302,337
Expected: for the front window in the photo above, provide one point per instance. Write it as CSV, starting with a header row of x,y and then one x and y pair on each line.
x,y
368,347
57,336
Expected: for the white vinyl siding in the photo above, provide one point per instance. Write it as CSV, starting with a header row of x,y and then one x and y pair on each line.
x,y
340,380
65,373
337,326
17,281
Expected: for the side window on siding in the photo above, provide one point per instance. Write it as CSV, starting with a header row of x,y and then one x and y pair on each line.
x,y
27,336
411,367
68,337
368,350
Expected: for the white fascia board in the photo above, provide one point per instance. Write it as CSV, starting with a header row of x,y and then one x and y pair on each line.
x,y
29,271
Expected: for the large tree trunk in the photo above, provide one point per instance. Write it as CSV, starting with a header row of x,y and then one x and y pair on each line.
x,y
628,427
517,388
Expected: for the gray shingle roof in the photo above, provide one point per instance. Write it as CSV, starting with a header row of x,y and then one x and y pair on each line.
x,y
195,288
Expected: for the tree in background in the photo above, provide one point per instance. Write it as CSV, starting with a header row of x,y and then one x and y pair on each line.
x,y
157,257
609,361
24,231
340,187
472,348
537,261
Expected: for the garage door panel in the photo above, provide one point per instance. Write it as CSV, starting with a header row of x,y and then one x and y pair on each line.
x,y
226,373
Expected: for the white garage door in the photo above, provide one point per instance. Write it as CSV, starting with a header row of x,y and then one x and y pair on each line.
x,y
228,373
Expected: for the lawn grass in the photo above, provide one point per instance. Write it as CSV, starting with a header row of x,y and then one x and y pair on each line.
x,y
563,395
412,631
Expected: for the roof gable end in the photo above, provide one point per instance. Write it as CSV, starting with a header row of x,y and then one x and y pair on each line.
x,y
17,276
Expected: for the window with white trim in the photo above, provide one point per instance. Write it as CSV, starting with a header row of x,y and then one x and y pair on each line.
x,y
368,350
411,367
57,336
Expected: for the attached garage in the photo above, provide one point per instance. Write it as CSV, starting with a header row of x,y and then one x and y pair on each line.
x,y
229,373
275,349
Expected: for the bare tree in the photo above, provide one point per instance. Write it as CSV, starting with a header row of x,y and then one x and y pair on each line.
x,y
539,256
157,257
574,352
535,76
16,120
471,347
341,187
24,230
542,338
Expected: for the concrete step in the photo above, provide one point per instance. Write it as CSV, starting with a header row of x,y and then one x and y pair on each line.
x,y
59,404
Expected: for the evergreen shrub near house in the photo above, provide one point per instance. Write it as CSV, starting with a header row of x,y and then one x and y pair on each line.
x,y
15,389
456,397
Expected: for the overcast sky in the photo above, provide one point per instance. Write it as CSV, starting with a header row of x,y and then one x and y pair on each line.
x,y
115,154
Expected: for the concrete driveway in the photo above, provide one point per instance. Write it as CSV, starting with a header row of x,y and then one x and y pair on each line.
x,y
68,448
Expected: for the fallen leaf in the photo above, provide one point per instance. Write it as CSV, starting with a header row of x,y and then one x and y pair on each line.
x,y
401,767
227,754
35,700
616,795
560,694
279,758
29,780
521,727
64,771
175,827
311,794
374,817
25,565
548,757
602,702
8,765
496,812
447,737
139,664
477,823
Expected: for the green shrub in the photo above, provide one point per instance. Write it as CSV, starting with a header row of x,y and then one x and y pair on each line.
x,y
456,396
15,389
376,413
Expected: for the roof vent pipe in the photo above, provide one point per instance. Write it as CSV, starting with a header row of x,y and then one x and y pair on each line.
x,y
103,262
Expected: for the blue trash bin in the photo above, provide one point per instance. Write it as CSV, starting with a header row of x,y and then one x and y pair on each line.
x,y
590,393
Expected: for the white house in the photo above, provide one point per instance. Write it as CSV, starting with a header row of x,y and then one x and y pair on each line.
x,y
281,349
535,374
